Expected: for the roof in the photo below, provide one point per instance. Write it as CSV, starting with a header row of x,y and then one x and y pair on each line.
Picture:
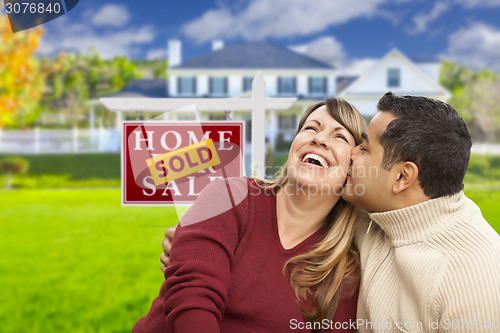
x,y
344,82
143,88
257,55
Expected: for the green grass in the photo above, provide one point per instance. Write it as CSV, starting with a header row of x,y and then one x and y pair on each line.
x,y
488,201
76,261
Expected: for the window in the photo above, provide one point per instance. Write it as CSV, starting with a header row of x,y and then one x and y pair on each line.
x,y
286,121
247,83
186,85
186,117
286,85
217,116
317,85
393,78
218,86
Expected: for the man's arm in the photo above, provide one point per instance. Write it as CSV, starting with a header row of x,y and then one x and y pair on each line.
x,y
469,295
167,246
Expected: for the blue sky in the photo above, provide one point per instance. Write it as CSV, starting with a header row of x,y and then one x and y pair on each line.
x,y
346,33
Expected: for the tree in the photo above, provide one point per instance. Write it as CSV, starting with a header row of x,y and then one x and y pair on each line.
x,y
156,69
21,80
453,76
81,77
476,96
482,106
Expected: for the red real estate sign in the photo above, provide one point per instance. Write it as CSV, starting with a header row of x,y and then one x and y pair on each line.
x,y
169,163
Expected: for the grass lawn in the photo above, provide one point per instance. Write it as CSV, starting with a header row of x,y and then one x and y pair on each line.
x,y
76,261
488,201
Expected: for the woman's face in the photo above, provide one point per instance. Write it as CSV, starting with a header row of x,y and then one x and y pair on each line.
x,y
320,154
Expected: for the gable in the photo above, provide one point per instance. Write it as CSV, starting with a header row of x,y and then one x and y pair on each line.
x,y
412,79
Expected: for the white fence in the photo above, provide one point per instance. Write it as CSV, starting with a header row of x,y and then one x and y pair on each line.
x,y
486,149
101,140
39,141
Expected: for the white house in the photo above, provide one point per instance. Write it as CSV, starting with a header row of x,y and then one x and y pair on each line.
x,y
227,71
394,72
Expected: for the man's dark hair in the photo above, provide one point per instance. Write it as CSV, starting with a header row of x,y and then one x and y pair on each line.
x,y
431,134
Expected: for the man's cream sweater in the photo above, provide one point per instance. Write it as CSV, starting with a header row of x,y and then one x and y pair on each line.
x,y
431,267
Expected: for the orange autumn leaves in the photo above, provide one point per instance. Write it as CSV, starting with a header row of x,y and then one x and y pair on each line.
x,y
21,80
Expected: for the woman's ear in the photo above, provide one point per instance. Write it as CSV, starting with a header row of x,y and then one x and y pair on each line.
x,y
407,175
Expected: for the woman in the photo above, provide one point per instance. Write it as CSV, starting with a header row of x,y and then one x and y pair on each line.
x,y
278,245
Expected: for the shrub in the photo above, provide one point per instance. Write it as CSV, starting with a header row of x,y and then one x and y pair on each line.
x,y
11,166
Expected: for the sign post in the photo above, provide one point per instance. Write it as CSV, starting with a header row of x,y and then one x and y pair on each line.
x,y
258,104
169,163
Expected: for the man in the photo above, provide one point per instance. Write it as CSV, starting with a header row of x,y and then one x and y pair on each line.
x,y
429,260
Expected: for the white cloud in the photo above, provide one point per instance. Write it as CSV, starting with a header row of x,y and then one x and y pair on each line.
x,y
479,3
277,19
421,21
155,54
477,46
111,15
325,49
357,67
65,35
331,51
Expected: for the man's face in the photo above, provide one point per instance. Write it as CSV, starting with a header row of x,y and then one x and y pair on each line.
x,y
368,185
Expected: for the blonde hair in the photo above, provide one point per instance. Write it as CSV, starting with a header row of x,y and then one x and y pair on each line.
x,y
322,270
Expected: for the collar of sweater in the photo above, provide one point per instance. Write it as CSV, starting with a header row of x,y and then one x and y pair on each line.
x,y
419,222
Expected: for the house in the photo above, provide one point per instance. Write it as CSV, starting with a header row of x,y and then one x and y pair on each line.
x,y
228,71
394,72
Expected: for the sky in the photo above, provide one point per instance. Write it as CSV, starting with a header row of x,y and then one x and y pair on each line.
x,y
349,34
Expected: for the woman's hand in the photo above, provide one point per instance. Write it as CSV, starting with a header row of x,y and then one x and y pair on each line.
x,y
167,245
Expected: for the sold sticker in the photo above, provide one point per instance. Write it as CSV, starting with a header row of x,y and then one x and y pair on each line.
x,y
182,162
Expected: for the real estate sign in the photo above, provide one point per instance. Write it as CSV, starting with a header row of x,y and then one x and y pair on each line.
x,y
169,163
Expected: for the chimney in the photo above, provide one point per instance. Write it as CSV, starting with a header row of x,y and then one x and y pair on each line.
x,y
174,52
217,44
